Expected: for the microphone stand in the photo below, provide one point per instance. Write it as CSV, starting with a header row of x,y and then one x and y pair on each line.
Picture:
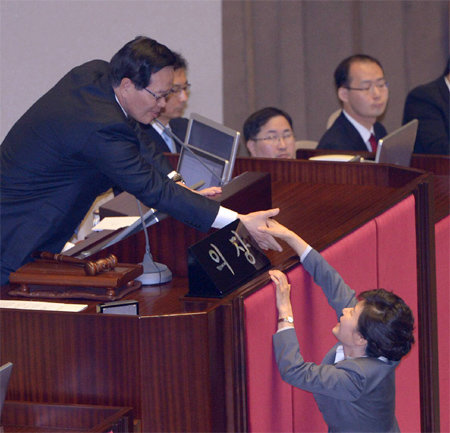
x,y
187,147
154,273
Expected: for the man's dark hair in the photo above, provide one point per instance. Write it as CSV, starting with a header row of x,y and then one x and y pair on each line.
x,y
341,74
180,61
138,60
259,118
387,323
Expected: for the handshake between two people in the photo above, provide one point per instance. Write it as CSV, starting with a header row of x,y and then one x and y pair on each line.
x,y
267,229
264,229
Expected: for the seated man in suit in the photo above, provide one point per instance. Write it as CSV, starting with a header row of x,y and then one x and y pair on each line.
x,y
429,104
268,134
171,114
354,386
78,140
363,92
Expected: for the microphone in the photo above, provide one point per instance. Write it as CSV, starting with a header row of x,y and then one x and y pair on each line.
x,y
154,273
173,136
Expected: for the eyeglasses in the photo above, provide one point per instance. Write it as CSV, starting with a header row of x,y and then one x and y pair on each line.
x,y
182,88
380,85
274,139
157,98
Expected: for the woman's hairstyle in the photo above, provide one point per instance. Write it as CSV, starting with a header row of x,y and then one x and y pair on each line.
x,y
387,323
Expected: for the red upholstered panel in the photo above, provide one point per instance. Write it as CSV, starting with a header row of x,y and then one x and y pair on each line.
x,y
397,271
312,320
442,231
269,399
355,259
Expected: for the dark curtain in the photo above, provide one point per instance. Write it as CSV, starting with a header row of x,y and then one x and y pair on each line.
x,y
283,53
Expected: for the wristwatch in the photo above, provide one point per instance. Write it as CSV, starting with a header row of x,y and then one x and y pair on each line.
x,y
288,319
175,176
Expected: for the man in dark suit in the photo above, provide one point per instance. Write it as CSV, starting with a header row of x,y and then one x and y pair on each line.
x,y
354,386
363,92
78,140
429,104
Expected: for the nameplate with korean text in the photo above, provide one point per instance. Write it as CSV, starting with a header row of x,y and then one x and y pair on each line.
x,y
224,261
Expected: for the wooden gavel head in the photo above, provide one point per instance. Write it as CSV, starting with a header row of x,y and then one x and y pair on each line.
x,y
100,265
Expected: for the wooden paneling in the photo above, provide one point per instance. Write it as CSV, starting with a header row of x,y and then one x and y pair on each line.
x,y
180,365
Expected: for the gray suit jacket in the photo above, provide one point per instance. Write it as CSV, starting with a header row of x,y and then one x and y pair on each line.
x,y
354,395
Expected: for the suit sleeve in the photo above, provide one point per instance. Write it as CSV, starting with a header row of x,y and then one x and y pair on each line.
x,y
345,380
338,294
115,152
153,152
432,134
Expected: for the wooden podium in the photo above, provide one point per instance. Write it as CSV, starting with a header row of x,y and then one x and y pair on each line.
x,y
181,364
170,238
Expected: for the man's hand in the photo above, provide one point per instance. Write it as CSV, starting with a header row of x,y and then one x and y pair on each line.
x,y
210,192
277,230
206,192
253,221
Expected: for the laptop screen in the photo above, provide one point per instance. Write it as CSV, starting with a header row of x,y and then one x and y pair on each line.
x,y
196,165
214,138
398,146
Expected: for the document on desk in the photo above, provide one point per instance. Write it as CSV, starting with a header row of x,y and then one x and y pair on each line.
x,y
42,306
115,223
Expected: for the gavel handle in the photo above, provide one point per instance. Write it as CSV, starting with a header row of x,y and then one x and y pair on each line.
x,y
90,267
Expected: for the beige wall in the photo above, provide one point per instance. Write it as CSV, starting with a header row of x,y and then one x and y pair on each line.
x,y
41,40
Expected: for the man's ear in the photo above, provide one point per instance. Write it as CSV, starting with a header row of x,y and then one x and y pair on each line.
x,y
251,146
126,84
343,94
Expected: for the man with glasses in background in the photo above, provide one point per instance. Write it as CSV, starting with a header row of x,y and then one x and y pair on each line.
x,y
363,92
79,140
268,133
171,114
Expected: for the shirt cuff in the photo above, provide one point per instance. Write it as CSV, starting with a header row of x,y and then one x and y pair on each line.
x,y
284,329
305,253
224,217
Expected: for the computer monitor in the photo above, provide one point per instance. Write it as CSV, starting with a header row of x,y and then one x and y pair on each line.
x,y
198,166
214,138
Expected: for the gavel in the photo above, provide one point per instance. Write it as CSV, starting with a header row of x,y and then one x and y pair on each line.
x,y
91,267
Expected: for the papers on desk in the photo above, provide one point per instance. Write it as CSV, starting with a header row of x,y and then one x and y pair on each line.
x,y
43,306
336,158
115,223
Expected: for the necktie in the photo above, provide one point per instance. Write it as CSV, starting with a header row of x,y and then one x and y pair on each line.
x,y
373,142
170,143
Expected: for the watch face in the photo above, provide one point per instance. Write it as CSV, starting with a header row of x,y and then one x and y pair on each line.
x,y
290,319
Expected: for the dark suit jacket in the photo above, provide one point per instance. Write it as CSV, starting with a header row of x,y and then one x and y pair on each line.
x,y
354,395
152,145
152,137
73,144
342,135
429,104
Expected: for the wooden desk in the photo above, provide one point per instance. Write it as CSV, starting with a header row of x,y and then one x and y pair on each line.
x,y
180,364
20,417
